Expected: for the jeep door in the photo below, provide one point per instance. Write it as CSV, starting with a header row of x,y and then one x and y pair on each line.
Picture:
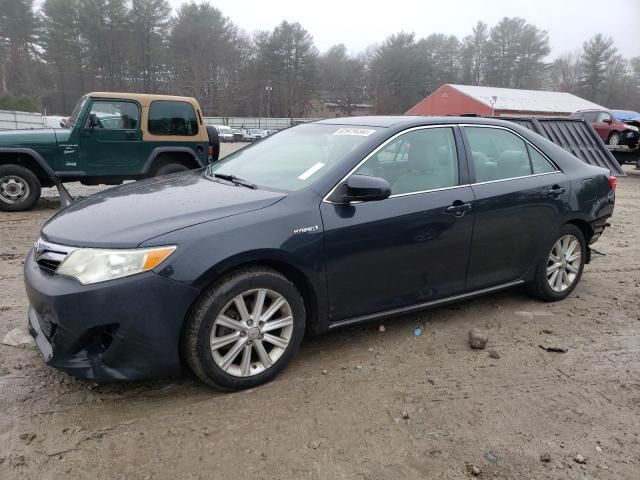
x,y
412,247
110,138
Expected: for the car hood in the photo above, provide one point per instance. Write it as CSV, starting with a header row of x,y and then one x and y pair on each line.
x,y
126,216
41,136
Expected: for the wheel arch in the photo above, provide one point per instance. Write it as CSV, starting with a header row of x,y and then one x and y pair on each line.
x,y
584,226
161,156
309,291
30,159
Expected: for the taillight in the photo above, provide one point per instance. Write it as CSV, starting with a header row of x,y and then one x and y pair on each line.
x,y
210,153
612,182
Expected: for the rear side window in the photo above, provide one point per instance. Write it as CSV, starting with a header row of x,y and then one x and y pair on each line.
x,y
497,154
539,163
172,118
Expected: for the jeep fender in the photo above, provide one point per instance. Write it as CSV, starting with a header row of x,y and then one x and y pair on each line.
x,y
156,152
65,197
36,157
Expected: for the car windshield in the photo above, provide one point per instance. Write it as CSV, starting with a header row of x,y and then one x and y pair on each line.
x,y
294,158
76,112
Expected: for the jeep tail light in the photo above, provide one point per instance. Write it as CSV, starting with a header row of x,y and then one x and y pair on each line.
x,y
210,153
613,181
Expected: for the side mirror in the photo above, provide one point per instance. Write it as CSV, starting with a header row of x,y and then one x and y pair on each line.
x,y
93,120
362,188
607,120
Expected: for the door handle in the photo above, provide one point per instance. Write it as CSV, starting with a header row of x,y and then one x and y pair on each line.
x,y
556,190
131,135
458,208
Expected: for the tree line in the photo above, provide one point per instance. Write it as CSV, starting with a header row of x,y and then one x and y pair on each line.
x,y
52,54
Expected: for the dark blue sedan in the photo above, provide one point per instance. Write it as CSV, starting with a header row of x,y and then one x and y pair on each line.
x,y
319,226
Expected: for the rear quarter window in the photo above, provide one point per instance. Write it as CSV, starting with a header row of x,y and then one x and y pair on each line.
x,y
168,117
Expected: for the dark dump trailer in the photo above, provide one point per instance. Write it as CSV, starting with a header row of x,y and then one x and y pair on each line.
x,y
626,155
574,135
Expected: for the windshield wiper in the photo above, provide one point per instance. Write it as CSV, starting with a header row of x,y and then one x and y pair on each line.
x,y
236,180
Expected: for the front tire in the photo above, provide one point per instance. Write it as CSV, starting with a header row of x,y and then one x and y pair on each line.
x,y
614,139
244,330
558,273
19,188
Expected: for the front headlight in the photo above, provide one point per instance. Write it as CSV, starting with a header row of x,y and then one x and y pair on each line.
x,y
93,265
633,128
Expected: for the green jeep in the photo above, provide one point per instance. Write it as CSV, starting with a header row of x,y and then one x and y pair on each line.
x,y
109,138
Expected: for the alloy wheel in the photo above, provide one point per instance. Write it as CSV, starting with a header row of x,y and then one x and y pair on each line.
x,y
13,189
614,139
563,264
251,332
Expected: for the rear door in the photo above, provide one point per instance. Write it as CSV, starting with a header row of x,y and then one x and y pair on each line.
x,y
411,248
113,146
520,199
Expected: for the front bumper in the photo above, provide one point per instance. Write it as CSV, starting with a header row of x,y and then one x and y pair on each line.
x,y
125,329
629,138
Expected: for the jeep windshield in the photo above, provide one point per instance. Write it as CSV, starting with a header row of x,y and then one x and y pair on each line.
x,y
76,111
294,158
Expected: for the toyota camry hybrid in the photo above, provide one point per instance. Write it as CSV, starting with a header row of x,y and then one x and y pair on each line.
x,y
322,225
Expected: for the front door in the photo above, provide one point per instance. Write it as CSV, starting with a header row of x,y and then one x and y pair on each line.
x,y
602,125
520,199
410,248
111,137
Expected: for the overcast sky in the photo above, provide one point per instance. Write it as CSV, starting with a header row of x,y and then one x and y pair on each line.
x,y
358,23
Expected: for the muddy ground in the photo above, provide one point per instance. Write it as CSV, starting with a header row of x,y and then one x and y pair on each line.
x,y
359,403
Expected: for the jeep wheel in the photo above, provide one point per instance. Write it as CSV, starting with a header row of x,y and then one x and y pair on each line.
x,y
19,188
170,168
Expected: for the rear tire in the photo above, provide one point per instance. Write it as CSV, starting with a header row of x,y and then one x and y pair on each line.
x,y
170,168
560,270
19,188
231,347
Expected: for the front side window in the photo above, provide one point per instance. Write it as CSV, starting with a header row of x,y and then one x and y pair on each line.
x,y
416,161
497,154
168,117
294,158
603,117
114,115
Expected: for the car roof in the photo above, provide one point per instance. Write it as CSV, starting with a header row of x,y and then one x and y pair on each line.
x,y
410,121
142,98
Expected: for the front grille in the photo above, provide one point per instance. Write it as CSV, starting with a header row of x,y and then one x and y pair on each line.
x,y
49,256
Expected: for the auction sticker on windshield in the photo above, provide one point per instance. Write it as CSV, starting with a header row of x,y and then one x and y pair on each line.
x,y
311,171
360,132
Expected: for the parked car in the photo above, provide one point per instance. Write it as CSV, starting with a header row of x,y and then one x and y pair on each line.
x,y
611,130
109,138
225,132
252,134
237,134
324,225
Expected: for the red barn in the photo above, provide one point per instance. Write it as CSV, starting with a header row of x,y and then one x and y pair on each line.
x,y
468,99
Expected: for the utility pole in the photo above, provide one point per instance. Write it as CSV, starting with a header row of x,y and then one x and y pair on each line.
x,y
268,88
